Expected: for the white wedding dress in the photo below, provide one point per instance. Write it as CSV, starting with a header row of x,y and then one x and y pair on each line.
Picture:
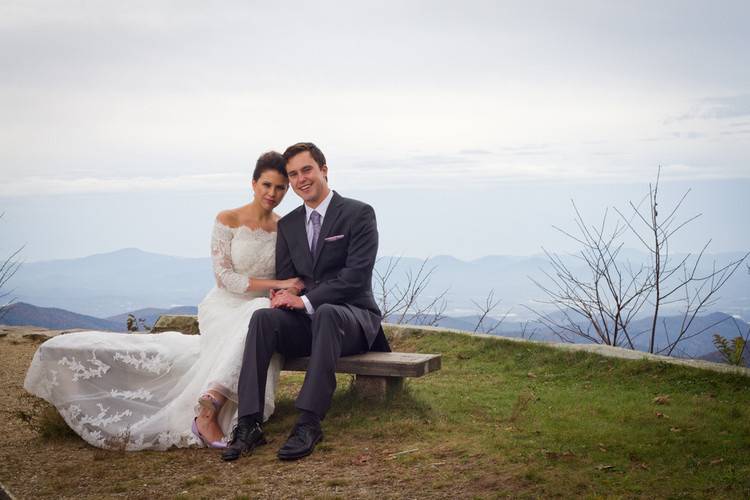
x,y
139,391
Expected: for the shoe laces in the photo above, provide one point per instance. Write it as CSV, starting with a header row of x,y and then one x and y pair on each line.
x,y
242,432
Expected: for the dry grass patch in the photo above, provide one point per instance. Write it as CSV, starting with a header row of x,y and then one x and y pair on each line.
x,y
482,427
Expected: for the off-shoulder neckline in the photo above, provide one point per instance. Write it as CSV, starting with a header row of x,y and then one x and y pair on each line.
x,y
242,226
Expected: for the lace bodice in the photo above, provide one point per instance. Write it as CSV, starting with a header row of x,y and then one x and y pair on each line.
x,y
240,254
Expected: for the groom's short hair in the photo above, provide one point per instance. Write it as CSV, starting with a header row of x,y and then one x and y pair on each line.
x,y
301,147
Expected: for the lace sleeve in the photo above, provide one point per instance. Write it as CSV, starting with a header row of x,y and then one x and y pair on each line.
x,y
221,257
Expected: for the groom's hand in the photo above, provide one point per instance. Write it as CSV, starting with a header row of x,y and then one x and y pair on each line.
x,y
285,300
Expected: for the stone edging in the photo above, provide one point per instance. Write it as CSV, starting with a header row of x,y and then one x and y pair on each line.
x,y
5,494
602,350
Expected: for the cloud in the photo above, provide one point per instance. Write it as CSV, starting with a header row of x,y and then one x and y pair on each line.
x,y
124,97
417,172
688,135
714,108
471,152
735,132
40,186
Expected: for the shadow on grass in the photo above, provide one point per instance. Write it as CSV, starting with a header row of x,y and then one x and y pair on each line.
x,y
44,419
401,413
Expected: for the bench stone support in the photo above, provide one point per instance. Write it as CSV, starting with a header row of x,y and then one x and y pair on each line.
x,y
377,388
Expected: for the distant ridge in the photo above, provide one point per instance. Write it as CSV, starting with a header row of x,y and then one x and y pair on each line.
x,y
107,284
23,314
130,279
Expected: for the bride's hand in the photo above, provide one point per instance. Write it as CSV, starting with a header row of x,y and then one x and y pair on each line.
x,y
293,285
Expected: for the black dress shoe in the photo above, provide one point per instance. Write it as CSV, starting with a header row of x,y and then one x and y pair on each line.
x,y
301,441
245,438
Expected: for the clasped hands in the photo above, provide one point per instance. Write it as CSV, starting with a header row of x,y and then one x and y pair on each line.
x,y
288,298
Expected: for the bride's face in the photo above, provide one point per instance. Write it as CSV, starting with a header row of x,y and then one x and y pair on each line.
x,y
270,189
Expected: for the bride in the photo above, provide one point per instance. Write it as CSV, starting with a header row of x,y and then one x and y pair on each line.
x,y
156,391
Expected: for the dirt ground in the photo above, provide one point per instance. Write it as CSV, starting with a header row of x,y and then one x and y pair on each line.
x,y
343,466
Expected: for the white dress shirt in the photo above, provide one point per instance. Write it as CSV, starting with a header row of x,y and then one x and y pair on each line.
x,y
321,209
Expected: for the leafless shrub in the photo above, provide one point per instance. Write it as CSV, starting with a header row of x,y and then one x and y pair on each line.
x,y
527,332
405,303
485,309
674,283
600,305
8,268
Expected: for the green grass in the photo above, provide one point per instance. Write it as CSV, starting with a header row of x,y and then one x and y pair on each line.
x,y
573,422
501,418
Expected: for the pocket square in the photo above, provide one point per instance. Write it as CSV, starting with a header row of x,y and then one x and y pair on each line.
x,y
334,238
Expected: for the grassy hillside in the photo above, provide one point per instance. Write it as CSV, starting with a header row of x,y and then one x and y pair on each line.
x,y
500,419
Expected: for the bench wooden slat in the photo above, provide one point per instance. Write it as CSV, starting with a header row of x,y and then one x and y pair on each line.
x,y
392,365
379,364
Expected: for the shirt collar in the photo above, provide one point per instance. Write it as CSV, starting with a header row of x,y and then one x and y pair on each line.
x,y
321,209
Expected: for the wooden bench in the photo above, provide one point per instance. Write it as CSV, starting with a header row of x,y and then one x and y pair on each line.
x,y
377,374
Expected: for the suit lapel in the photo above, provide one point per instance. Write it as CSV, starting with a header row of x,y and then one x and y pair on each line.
x,y
299,232
332,215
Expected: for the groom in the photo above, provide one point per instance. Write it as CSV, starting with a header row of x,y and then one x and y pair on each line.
x,y
331,243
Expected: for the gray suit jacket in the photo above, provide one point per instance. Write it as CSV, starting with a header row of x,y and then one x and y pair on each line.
x,y
340,272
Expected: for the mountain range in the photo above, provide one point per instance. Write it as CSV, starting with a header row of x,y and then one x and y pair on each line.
x,y
105,285
23,314
98,292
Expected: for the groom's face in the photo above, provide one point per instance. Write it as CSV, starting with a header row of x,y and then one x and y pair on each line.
x,y
308,179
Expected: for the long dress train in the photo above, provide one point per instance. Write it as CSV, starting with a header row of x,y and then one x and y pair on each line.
x,y
138,391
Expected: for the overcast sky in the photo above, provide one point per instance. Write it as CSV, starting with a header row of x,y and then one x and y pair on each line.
x,y
132,123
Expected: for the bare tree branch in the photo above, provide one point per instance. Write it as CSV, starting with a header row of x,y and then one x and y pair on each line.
x,y
607,299
599,302
405,303
8,268
525,333
490,304
680,283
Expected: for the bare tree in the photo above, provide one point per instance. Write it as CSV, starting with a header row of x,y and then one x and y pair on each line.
x,y
8,268
600,303
385,289
679,282
406,301
485,309
432,313
600,306
527,332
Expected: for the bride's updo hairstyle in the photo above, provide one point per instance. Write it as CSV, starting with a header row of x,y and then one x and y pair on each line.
x,y
270,161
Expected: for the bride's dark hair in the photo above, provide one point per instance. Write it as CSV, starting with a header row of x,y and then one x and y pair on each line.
x,y
270,161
